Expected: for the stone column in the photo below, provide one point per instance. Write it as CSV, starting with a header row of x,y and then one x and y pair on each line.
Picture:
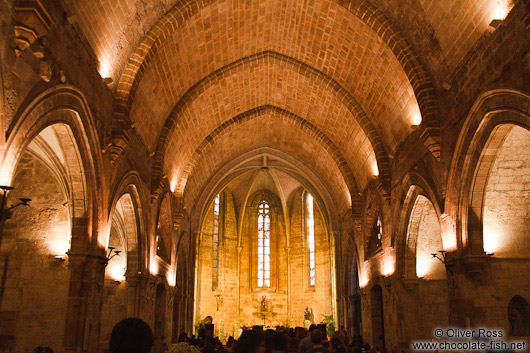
x,y
84,303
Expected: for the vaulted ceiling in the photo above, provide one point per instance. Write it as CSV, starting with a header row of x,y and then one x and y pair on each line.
x,y
334,84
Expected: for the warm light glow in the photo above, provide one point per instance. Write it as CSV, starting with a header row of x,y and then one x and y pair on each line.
x,y
171,280
423,265
116,272
105,67
153,267
501,9
491,241
363,279
416,118
375,169
389,266
173,182
59,248
448,228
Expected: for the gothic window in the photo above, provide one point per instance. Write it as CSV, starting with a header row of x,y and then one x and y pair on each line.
x,y
310,228
376,236
215,242
264,245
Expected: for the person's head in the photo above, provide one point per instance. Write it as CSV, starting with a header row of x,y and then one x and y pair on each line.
x,y
280,342
339,335
43,350
316,337
251,341
313,327
131,335
357,350
336,345
183,337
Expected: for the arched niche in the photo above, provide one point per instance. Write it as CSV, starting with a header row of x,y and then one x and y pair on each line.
x,y
123,238
500,198
36,239
482,134
164,231
424,239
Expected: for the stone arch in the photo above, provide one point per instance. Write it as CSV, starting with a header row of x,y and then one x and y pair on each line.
x,y
519,316
383,162
163,241
310,181
373,212
423,239
478,142
415,186
65,108
289,117
499,196
58,130
369,14
127,196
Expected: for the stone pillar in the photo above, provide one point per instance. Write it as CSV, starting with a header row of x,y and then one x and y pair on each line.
x,y
84,303
135,294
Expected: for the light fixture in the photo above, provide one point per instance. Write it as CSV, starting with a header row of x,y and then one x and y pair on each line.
x,y
107,80
414,127
59,257
490,254
495,23
441,257
110,255
5,212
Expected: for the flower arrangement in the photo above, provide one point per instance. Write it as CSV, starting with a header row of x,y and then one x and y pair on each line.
x,y
182,348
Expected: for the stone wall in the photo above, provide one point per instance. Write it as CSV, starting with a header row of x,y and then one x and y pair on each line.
x,y
36,283
290,293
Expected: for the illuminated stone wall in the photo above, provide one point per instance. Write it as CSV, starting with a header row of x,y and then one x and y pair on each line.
x,y
289,294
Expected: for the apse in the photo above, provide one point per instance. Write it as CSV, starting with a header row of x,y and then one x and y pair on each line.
x,y
264,251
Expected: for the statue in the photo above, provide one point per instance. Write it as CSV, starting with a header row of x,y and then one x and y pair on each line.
x,y
307,318
263,305
307,314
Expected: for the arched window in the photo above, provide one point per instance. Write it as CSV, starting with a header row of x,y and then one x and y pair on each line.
x,y
310,227
215,242
264,245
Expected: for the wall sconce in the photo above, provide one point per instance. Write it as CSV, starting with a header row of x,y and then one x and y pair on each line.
x,y
495,23
5,212
441,257
110,255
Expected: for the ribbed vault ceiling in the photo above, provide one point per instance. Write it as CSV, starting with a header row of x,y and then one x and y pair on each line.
x,y
334,84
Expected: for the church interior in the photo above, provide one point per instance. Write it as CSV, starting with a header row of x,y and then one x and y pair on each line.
x,y
240,163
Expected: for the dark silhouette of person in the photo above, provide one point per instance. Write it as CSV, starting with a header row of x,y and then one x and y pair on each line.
x,y
251,341
131,335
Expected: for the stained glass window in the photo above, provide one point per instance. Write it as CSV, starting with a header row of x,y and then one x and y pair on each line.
x,y
215,242
264,245
310,226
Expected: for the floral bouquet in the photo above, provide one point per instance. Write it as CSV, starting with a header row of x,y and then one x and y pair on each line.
x,y
182,348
